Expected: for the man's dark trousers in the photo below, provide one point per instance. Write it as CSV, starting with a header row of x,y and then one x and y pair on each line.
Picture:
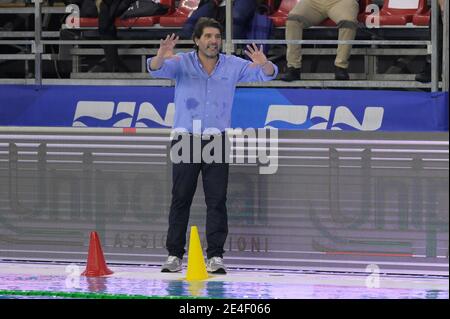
x,y
184,184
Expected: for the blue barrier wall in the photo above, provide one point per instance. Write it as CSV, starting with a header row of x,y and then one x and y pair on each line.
x,y
298,109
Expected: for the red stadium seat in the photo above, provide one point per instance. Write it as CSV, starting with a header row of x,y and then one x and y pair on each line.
x,y
363,4
279,17
181,14
137,22
88,22
422,19
132,22
401,12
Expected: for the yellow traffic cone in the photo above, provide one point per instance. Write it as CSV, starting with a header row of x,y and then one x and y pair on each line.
x,y
196,269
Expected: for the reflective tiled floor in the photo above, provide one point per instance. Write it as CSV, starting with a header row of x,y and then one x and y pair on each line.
x,y
50,280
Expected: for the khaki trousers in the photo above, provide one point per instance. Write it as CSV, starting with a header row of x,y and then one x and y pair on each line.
x,y
308,13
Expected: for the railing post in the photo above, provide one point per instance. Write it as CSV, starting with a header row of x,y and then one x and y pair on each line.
x,y
445,60
37,48
435,46
229,47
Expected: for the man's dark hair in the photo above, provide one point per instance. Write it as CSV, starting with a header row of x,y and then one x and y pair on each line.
x,y
203,23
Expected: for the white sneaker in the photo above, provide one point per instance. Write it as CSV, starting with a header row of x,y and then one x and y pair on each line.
x,y
172,264
215,265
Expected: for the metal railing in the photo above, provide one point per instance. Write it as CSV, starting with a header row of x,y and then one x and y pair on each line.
x,y
60,183
37,44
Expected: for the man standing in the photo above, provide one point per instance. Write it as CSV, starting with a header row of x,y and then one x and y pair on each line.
x,y
308,13
204,92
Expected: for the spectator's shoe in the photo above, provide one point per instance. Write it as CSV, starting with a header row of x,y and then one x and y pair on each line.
x,y
215,265
341,74
292,74
425,75
172,264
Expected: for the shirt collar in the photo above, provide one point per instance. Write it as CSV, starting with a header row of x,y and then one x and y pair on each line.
x,y
219,60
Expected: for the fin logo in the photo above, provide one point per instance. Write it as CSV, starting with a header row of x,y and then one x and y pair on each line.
x,y
122,114
322,118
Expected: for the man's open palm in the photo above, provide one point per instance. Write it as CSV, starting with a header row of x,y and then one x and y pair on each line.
x,y
256,54
167,45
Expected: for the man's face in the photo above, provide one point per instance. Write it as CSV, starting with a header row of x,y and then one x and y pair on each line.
x,y
210,43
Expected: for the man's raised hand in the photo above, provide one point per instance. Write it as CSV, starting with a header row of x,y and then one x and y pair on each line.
x,y
256,54
259,59
166,46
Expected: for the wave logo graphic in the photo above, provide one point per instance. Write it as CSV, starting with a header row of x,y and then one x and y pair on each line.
x,y
122,114
322,118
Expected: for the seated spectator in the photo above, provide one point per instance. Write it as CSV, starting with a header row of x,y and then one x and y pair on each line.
x,y
308,13
425,75
108,10
206,8
243,12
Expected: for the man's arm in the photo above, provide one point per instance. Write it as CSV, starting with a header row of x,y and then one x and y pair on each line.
x,y
156,63
261,69
268,68
165,52
259,59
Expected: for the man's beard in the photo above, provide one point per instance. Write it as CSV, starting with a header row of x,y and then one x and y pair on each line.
x,y
211,55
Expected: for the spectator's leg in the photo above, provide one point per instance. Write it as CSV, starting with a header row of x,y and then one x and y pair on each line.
x,y
107,31
344,13
109,10
303,15
243,12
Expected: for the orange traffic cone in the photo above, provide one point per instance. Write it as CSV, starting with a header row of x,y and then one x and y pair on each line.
x,y
96,265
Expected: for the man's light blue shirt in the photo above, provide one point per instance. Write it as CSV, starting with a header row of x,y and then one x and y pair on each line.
x,y
209,98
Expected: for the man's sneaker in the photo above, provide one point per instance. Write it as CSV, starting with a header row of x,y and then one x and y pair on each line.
x,y
292,74
172,264
341,74
215,265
